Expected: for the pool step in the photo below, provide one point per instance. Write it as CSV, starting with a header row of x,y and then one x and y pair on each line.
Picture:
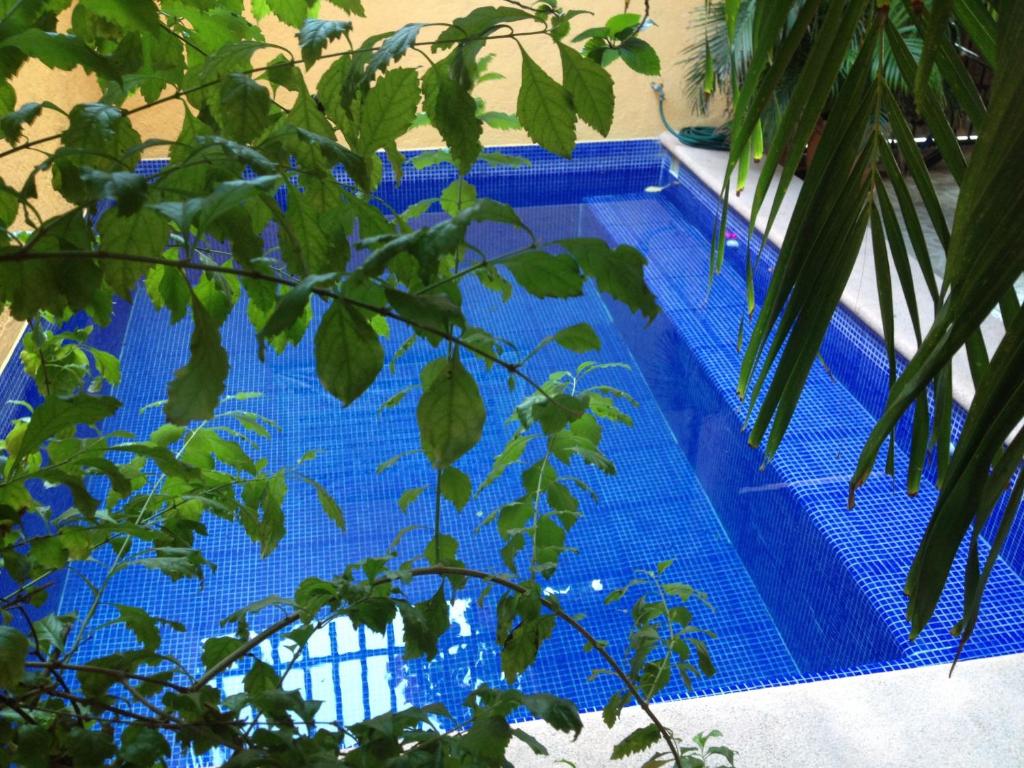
x,y
833,577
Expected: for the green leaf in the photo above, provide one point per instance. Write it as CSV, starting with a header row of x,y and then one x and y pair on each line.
x,y
638,741
349,354
52,630
142,625
291,12
545,110
196,389
292,306
424,623
543,274
90,747
129,14
13,652
487,740
351,7
450,414
452,110
143,746
409,496
520,648
243,109
535,746
101,136
126,188
640,57
216,649
316,34
578,338
57,414
618,272
456,487
144,233
457,195
13,123
389,109
502,121
478,22
393,49
560,714
591,89
63,52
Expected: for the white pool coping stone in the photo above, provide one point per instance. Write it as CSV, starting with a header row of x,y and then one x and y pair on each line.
x,y
915,718
860,296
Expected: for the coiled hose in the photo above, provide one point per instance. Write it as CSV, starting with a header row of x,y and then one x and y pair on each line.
x,y
704,137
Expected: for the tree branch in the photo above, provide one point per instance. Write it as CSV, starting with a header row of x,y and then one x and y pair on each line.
x,y
512,368
183,92
469,573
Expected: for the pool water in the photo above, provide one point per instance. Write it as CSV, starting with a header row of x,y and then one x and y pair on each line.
x,y
801,587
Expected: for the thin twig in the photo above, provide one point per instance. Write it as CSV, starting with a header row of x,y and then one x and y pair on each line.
x,y
183,92
617,670
448,571
512,368
115,673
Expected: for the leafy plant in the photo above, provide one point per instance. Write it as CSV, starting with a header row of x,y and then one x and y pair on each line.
x,y
846,191
258,147
719,58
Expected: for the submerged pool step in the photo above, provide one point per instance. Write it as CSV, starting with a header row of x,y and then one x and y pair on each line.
x,y
832,577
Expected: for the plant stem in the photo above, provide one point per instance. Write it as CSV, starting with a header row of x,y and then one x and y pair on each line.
x,y
469,573
183,92
55,665
242,650
617,670
512,368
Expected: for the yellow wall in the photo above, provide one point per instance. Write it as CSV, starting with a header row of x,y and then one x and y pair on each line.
x,y
636,112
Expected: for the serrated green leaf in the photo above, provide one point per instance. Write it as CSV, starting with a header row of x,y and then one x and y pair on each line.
x,y
456,487
144,233
327,503
545,110
316,34
57,414
292,305
243,107
618,272
546,274
641,57
452,110
639,740
388,109
14,122
578,338
197,387
143,746
13,652
291,12
348,353
129,14
561,714
591,89
450,414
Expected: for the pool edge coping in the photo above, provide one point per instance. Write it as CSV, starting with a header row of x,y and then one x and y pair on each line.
x,y
709,168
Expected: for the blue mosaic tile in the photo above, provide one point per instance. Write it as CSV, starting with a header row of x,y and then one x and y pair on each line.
x,y
803,587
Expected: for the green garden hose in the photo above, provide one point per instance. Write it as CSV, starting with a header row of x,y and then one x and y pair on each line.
x,y
704,137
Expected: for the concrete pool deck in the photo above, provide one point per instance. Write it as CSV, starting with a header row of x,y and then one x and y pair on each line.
x,y
915,718
860,296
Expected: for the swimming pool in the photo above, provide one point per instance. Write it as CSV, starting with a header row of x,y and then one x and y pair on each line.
x,y
802,588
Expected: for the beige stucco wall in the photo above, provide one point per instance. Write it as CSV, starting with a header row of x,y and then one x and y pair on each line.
x,y
636,110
